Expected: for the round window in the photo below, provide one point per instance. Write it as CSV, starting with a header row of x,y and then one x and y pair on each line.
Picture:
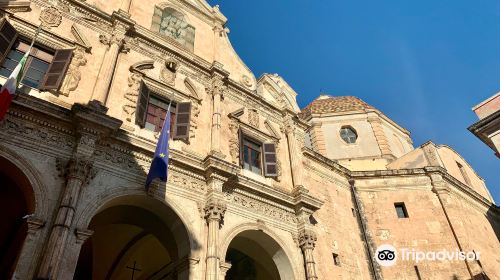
x,y
348,134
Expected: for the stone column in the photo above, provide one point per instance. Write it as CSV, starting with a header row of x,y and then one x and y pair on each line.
x,y
31,249
78,172
115,44
307,242
214,214
295,153
217,90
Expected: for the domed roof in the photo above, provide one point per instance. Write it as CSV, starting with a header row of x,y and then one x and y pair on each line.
x,y
335,104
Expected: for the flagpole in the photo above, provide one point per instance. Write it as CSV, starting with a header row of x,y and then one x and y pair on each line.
x,y
28,52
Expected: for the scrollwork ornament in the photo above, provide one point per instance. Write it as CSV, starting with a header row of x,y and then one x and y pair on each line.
x,y
131,95
234,143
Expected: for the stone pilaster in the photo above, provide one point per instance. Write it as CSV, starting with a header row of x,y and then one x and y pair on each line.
x,y
307,242
115,44
443,193
318,139
78,172
380,136
293,149
217,89
214,214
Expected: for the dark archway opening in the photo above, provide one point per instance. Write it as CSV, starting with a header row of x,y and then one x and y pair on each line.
x,y
254,255
16,202
136,237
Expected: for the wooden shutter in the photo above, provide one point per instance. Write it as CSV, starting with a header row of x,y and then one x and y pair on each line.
x,y
183,119
57,69
240,138
8,36
142,106
270,168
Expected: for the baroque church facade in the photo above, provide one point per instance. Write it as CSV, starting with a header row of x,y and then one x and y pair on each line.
x,y
257,188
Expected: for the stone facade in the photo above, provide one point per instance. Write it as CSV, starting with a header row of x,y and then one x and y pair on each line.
x,y
75,156
487,129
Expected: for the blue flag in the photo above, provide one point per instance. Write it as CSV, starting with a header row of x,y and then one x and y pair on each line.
x,y
159,165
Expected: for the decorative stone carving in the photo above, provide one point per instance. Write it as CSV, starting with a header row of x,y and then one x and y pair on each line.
x,y
266,209
50,17
253,118
131,95
215,210
185,181
307,239
74,75
81,169
234,143
246,81
168,71
216,87
195,112
42,135
279,169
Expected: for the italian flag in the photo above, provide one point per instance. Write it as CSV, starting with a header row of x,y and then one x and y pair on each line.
x,y
9,88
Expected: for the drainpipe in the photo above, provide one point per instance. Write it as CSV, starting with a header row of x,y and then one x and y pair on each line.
x,y
361,220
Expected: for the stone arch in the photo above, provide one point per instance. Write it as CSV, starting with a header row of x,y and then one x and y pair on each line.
x,y
34,178
23,205
94,206
282,257
140,221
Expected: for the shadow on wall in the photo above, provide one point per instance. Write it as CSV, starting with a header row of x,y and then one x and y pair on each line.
x,y
493,216
136,234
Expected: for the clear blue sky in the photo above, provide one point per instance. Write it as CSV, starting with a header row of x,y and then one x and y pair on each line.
x,y
424,63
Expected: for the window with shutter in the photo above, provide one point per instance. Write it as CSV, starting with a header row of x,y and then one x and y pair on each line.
x,y
270,169
156,114
57,69
8,36
183,118
36,65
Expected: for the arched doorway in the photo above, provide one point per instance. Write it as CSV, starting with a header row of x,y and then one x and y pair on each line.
x,y
254,255
135,237
16,203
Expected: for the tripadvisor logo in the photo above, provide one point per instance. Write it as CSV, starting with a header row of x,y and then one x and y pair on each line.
x,y
386,255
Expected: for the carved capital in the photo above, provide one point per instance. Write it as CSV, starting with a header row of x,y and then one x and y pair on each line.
x,y
307,240
215,210
77,168
82,235
216,87
34,224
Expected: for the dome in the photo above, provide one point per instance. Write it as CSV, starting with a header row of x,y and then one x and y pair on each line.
x,y
335,104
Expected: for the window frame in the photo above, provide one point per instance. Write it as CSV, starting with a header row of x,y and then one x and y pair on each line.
x,y
401,205
258,146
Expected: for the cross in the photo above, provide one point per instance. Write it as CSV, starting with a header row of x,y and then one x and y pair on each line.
x,y
134,269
